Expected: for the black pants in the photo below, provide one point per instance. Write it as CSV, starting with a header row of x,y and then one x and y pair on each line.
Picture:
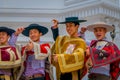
x,y
68,76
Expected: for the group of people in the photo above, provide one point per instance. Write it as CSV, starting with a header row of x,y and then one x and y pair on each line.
x,y
71,56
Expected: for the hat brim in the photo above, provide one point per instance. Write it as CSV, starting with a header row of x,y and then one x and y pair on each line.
x,y
41,29
93,26
80,21
7,30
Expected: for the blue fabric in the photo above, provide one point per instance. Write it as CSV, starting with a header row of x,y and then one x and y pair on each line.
x,y
101,70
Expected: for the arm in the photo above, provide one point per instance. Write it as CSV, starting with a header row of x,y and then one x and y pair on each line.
x,y
14,36
41,52
55,30
12,40
81,34
115,66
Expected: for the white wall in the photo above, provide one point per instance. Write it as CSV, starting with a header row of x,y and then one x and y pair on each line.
x,y
58,4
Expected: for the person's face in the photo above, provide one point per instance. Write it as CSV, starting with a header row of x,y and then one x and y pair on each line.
x,y
72,29
100,33
3,38
34,35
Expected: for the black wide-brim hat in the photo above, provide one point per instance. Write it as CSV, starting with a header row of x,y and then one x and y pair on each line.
x,y
72,19
7,30
40,28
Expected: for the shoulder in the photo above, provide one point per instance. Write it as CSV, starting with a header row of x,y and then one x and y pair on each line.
x,y
45,45
12,47
93,41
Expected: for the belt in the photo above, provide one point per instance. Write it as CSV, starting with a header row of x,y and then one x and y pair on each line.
x,y
34,76
94,75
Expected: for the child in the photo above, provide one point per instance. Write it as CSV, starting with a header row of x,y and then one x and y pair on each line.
x,y
68,51
104,55
36,53
10,59
55,30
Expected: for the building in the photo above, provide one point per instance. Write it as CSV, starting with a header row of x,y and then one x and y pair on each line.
x,y
16,13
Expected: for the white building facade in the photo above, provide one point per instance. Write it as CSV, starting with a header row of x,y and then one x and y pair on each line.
x,y
17,13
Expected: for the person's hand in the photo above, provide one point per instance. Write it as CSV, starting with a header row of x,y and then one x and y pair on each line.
x,y
19,30
29,46
83,30
87,51
55,23
55,58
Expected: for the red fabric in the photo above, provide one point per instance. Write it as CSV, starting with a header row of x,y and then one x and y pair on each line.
x,y
110,53
43,50
115,70
5,55
84,70
113,58
47,77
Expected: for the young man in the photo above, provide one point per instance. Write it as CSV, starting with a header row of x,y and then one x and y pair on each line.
x,y
55,30
68,51
10,58
104,55
36,53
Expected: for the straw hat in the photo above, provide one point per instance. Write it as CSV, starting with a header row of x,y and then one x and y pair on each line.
x,y
100,24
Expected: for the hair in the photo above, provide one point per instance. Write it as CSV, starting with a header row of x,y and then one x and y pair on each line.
x,y
6,32
76,23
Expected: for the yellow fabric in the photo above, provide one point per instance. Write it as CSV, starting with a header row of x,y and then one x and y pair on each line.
x,y
2,76
75,75
7,77
68,62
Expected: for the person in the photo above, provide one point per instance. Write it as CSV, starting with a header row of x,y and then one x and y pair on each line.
x,y
104,59
36,53
68,51
55,30
10,59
